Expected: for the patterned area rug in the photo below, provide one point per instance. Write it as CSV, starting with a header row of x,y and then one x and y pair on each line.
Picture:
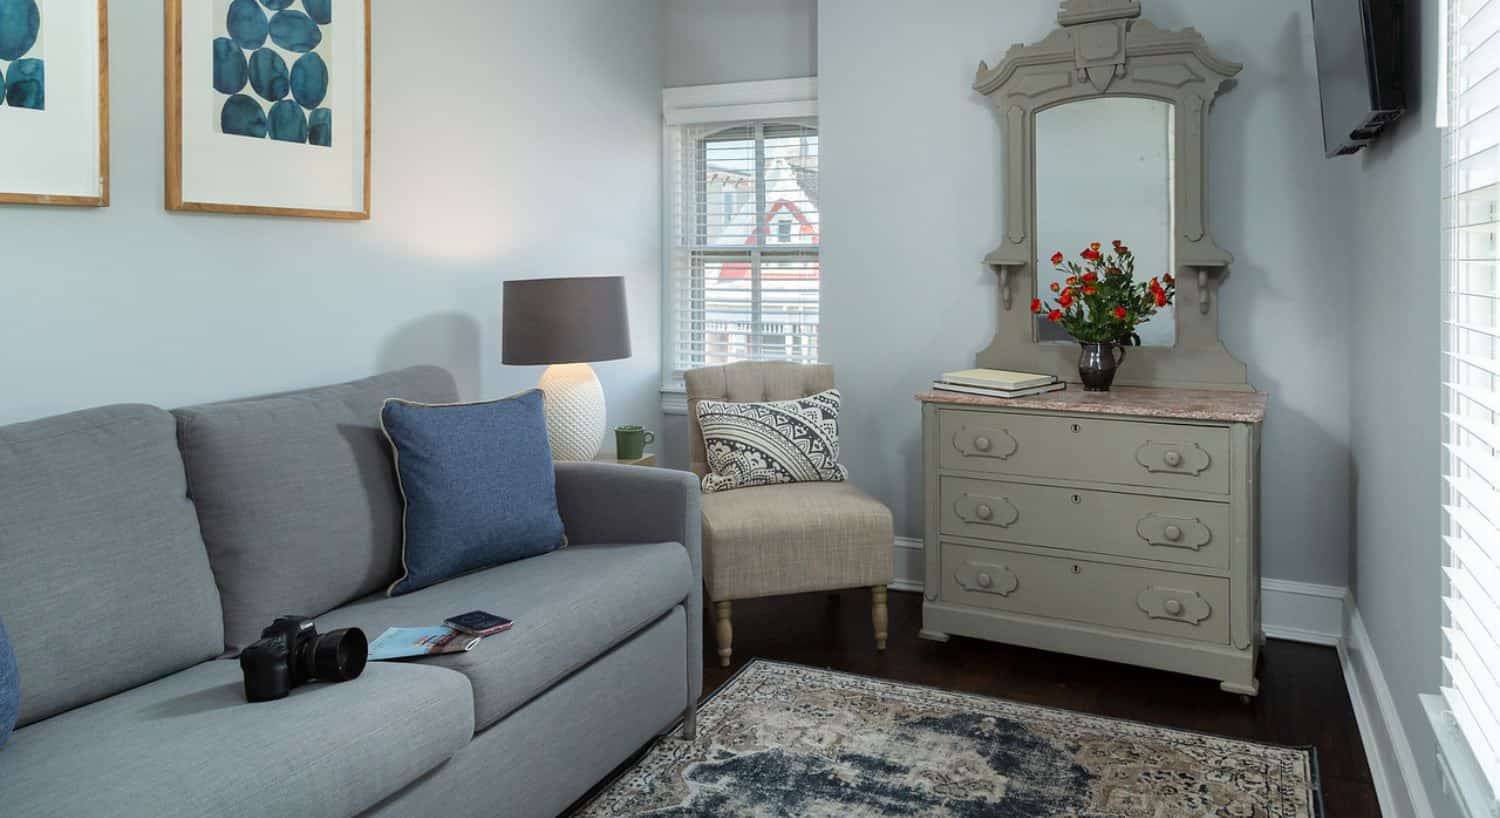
x,y
785,740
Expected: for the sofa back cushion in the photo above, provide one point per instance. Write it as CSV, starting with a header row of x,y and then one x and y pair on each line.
x,y
104,581
297,495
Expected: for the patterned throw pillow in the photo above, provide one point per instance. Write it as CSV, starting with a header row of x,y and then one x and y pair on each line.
x,y
761,444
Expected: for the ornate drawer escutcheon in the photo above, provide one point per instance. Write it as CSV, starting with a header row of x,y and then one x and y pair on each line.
x,y
978,510
1173,458
987,579
1174,604
1174,532
980,442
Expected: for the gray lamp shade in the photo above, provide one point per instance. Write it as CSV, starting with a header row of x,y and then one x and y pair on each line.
x,y
564,321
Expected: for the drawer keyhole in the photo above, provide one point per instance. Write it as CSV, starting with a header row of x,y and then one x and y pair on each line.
x,y
1077,569
1077,428
1077,499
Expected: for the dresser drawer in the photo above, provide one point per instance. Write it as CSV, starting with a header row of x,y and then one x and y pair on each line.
x,y
1161,602
1190,532
1164,455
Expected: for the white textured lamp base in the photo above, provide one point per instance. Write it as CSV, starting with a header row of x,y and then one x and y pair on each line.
x,y
575,411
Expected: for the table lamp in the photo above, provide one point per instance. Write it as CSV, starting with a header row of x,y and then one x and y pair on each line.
x,y
567,323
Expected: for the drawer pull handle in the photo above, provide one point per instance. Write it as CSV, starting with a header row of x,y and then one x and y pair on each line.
x,y
1174,605
990,511
1174,532
984,441
1181,459
987,578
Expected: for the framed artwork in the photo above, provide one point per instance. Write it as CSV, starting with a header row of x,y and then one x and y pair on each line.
x,y
54,102
268,107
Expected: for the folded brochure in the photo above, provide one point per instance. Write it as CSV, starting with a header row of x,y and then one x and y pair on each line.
x,y
404,643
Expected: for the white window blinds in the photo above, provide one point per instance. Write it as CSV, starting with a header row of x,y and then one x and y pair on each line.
x,y
1471,369
743,278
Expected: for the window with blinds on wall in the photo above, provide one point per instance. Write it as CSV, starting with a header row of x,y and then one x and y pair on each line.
x,y
1471,389
744,276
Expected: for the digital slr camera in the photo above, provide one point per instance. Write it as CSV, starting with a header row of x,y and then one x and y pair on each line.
x,y
291,653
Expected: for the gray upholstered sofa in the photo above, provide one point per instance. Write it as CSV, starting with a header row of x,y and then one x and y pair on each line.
x,y
139,549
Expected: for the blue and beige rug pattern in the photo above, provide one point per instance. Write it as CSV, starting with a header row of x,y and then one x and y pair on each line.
x,y
787,740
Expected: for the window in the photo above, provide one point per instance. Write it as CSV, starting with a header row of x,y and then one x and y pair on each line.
x,y
743,274
1471,379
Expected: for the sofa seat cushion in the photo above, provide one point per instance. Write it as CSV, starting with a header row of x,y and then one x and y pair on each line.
x,y
793,538
190,745
297,495
569,607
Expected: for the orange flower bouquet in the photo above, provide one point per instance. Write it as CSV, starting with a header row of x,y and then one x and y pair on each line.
x,y
1100,304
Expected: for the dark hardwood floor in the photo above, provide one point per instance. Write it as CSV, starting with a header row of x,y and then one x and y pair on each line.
x,y
1302,701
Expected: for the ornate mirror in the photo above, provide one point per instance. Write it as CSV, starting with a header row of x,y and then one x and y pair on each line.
x,y
1105,137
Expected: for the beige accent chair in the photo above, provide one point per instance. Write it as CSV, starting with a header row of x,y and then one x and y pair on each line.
x,y
784,539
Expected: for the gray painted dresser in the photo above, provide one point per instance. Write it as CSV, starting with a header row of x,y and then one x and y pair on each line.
x,y
1117,525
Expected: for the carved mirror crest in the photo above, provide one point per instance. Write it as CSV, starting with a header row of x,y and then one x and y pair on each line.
x,y
1105,130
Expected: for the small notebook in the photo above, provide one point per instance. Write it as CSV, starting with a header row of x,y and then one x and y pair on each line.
x,y
997,379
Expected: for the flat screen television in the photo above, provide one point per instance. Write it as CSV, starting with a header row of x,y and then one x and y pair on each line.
x,y
1361,70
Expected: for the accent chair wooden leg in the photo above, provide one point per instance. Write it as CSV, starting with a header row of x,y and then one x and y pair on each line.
x,y
725,632
880,615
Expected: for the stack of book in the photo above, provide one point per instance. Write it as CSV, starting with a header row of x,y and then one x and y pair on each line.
x,y
997,383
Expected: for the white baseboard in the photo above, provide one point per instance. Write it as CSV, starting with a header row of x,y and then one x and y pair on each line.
x,y
1302,611
909,566
1296,611
1393,768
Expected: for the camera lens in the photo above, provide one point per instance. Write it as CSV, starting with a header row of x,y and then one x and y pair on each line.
x,y
338,656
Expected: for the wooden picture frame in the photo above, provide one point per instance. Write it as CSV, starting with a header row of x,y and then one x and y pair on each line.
x,y
99,196
180,163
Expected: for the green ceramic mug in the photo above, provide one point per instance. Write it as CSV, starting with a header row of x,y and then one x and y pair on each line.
x,y
631,442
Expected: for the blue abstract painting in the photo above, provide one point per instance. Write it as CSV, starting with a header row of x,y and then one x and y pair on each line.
x,y
23,76
271,72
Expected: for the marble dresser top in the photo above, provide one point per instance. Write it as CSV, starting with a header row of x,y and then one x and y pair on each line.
x,y
1128,401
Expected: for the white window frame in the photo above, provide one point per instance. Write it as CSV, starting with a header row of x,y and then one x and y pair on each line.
x,y
704,104
1464,780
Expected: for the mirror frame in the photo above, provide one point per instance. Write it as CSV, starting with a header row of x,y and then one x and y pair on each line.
x,y
1101,50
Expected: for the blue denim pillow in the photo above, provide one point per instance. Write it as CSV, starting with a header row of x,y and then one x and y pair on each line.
x,y
478,482
10,687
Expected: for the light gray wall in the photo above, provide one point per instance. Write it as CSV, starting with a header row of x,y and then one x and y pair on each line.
x,y
912,203
512,139
1394,399
706,42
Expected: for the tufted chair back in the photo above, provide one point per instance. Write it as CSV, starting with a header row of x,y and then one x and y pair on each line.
x,y
749,382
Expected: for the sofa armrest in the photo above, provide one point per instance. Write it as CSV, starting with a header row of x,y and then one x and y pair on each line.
x,y
609,503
